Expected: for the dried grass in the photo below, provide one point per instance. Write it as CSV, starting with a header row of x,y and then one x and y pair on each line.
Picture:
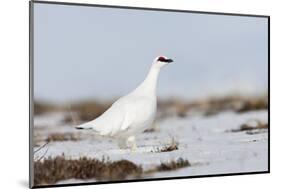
x,y
44,107
168,148
52,170
62,137
180,163
89,110
212,106
169,166
250,126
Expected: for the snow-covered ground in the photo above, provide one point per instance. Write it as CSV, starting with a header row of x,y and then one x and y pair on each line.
x,y
205,141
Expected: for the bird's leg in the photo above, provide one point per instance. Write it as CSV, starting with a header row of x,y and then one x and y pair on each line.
x,y
122,143
131,143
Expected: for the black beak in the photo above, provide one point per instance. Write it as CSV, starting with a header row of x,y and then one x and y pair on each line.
x,y
169,60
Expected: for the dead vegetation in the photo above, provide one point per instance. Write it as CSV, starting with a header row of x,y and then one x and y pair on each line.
x,y
45,107
254,132
168,148
52,170
86,110
91,109
180,163
237,104
169,166
212,106
62,137
39,149
250,126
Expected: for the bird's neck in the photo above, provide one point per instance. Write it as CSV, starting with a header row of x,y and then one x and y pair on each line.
x,y
149,85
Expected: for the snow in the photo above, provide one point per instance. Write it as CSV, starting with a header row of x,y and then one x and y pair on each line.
x,y
205,141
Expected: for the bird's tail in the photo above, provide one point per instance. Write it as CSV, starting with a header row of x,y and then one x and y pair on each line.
x,y
85,126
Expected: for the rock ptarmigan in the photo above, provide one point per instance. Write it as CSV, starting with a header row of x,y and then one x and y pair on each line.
x,y
132,113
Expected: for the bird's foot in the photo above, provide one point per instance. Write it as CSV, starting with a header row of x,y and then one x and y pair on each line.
x,y
134,147
131,143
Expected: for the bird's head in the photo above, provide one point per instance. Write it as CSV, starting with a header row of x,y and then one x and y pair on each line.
x,y
161,61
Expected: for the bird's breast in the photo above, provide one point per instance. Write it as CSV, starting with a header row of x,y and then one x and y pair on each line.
x,y
144,115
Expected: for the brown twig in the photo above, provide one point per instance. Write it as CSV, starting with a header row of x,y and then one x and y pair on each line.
x,y
42,155
41,147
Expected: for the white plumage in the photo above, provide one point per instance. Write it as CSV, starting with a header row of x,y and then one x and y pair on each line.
x,y
132,113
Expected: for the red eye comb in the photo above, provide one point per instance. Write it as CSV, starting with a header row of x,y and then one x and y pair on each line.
x,y
161,58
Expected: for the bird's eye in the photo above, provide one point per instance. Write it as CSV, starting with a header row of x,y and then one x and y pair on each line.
x,y
161,58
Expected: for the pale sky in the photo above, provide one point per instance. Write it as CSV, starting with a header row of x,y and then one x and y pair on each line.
x,y
88,52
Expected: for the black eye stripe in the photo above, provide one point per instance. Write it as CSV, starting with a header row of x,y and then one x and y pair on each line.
x,y
163,59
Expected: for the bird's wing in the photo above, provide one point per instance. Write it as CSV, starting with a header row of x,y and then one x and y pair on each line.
x,y
110,121
123,114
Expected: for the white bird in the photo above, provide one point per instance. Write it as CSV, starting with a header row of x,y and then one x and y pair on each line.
x,y
132,113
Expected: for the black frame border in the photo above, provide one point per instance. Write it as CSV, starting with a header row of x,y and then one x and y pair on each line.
x,y
31,94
